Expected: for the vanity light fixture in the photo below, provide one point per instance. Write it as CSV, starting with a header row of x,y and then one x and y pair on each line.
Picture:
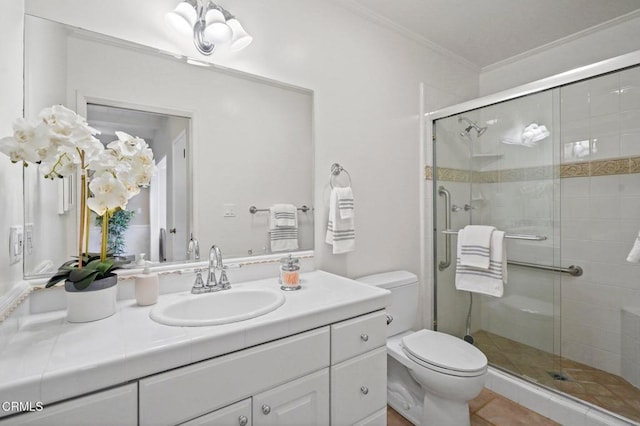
x,y
210,25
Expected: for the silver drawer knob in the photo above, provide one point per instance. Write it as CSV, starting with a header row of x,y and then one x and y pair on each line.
x,y
364,337
243,420
364,390
389,319
266,409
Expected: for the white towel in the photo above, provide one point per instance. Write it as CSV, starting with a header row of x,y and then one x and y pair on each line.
x,y
285,215
486,281
474,244
345,202
283,227
341,230
634,254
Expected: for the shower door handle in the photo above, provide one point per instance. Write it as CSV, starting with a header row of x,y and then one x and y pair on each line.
x,y
442,191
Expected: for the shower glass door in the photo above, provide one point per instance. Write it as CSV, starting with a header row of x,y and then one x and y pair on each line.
x,y
499,166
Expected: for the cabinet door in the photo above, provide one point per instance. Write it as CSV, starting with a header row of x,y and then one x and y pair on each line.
x,y
117,406
304,401
238,414
358,387
379,418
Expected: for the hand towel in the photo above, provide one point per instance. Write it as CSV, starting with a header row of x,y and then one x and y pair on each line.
x,y
486,281
474,245
345,202
340,231
634,254
283,229
286,215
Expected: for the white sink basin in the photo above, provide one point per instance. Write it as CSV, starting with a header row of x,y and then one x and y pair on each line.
x,y
217,308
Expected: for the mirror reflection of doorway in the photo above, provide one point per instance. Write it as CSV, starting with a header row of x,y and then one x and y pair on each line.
x,y
159,223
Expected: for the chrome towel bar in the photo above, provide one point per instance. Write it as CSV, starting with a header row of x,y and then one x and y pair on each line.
x,y
572,270
510,236
254,209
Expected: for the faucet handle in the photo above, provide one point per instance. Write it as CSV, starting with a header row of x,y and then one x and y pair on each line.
x,y
223,282
198,286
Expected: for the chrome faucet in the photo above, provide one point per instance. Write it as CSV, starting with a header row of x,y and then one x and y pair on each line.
x,y
215,263
194,248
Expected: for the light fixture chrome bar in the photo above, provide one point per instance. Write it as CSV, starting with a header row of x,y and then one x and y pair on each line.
x,y
509,236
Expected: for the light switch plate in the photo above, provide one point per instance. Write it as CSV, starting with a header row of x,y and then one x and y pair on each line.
x,y
16,244
229,210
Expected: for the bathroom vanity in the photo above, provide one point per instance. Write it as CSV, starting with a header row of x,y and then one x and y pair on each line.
x,y
320,358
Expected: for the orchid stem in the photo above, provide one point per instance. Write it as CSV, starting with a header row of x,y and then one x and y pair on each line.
x,y
105,236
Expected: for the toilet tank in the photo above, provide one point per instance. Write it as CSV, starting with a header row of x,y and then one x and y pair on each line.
x,y
403,286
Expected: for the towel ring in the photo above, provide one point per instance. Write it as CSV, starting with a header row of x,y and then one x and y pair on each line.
x,y
336,169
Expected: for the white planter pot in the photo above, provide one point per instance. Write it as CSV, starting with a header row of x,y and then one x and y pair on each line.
x,y
96,302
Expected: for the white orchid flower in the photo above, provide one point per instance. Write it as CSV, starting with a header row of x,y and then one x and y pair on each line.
x,y
108,194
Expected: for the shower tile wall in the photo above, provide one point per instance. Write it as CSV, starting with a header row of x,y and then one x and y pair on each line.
x,y
600,120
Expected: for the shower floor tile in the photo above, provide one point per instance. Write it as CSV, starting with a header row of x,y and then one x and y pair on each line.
x,y
595,386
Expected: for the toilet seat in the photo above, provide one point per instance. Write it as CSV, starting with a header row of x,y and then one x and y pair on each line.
x,y
444,353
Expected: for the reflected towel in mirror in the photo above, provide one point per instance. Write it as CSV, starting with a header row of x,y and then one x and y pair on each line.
x,y
283,227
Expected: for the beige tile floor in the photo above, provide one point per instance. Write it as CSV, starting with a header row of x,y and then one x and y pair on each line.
x,y
598,387
488,408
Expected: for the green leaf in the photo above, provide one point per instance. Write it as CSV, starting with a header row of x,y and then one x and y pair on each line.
x,y
59,276
85,282
80,274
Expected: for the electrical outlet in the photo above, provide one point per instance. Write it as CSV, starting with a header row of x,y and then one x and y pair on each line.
x,y
16,243
229,210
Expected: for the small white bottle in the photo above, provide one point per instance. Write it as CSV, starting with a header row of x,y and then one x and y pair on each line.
x,y
147,287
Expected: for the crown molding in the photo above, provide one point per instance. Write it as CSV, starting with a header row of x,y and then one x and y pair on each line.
x,y
376,18
562,41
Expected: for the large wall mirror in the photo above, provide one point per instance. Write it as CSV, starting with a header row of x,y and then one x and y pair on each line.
x,y
224,141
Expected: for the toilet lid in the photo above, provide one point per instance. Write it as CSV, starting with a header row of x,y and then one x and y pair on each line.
x,y
444,351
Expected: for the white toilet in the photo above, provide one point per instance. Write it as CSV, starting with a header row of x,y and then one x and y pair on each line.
x,y
431,376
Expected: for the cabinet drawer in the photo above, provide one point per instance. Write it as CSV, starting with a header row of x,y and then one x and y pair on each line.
x,y
238,414
357,336
110,407
185,393
359,387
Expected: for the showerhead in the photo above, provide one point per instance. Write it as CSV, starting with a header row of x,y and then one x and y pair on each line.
x,y
471,125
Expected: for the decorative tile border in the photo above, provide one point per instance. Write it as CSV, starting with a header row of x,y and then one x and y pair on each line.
x,y
606,167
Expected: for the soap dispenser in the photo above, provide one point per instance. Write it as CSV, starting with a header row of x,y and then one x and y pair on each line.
x,y
147,287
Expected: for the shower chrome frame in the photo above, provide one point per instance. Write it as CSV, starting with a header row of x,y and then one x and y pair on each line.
x,y
614,64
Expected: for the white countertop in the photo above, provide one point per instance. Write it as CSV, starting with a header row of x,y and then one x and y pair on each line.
x,y
50,359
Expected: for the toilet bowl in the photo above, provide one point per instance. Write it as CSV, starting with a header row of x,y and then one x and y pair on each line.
x,y
431,376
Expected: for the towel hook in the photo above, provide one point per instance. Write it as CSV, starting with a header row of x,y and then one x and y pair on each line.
x,y
336,169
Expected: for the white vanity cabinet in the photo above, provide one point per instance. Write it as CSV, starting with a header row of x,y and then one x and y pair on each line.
x,y
114,406
185,393
332,375
359,370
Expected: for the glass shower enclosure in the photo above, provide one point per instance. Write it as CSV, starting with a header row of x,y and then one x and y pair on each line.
x,y
559,171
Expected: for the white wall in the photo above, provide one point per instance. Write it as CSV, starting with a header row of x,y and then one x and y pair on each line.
x,y
10,108
587,48
366,80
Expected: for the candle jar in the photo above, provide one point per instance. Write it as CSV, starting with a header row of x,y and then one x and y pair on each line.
x,y
289,273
